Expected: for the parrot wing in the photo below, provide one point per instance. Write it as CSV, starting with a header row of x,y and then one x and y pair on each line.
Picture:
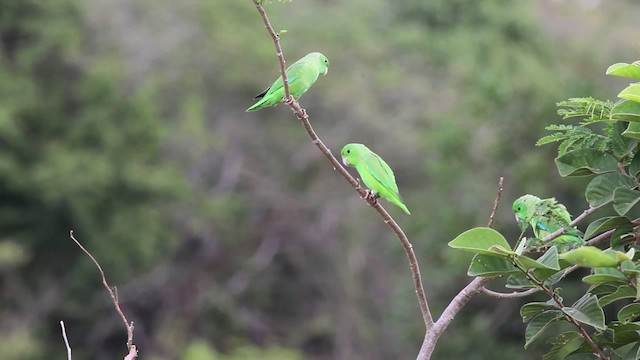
x,y
380,171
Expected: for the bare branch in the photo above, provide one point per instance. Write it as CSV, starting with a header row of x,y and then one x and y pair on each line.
x,y
511,295
496,202
302,115
114,297
66,341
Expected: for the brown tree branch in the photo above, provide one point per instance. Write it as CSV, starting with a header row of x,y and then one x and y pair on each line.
x,y
511,295
66,341
113,292
496,202
302,115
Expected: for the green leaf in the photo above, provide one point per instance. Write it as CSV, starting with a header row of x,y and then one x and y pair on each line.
x,y
519,281
626,110
621,235
589,256
622,146
587,311
604,224
634,166
529,310
629,312
633,130
624,200
624,333
605,275
490,265
625,70
564,345
481,240
540,322
631,92
600,189
583,162
547,261
622,292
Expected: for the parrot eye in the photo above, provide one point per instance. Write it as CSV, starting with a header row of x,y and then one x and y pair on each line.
x,y
348,151
519,208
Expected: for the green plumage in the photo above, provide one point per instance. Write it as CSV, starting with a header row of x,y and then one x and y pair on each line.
x,y
545,217
301,75
374,172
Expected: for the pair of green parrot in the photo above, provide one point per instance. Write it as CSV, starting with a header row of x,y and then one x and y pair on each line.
x,y
374,171
546,216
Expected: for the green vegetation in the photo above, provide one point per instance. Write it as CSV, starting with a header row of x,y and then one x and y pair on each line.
x,y
227,233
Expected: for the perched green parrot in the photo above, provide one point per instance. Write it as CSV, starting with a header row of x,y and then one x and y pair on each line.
x,y
545,217
374,172
301,75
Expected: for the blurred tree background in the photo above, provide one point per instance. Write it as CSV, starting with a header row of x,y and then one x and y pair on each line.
x,y
227,233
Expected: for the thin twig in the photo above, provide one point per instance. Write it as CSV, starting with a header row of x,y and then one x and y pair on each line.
x,y
496,202
511,295
114,297
302,115
66,341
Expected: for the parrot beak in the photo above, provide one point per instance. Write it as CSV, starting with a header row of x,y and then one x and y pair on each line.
x,y
517,218
326,71
344,161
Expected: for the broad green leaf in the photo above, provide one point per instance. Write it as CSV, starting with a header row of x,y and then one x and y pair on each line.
x,y
603,275
621,235
536,326
626,110
587,311
624,200
519,281
529,310
480,240
547,261
490,265
623,292
629,313
633,130
634,166
600,189
631,92
564,345
583,162
624,333
622,146
589,256
624,70
604,224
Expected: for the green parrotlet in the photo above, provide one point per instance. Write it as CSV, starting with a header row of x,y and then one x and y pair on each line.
x,y
545,217
374,172
300,75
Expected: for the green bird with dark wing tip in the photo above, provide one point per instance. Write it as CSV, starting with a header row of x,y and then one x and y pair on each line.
x,y
374,172
546,216
300,75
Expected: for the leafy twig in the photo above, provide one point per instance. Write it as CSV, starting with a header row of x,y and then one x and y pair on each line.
x,y
496,202
133,353
556,298
302,115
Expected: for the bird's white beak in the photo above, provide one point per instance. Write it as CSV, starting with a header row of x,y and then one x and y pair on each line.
x,y
517,218
344,161
326,71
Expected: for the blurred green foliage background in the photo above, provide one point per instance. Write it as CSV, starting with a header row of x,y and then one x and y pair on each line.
x,y
227,233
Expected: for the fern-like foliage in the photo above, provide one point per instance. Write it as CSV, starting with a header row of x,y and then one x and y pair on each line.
x,y
572,137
